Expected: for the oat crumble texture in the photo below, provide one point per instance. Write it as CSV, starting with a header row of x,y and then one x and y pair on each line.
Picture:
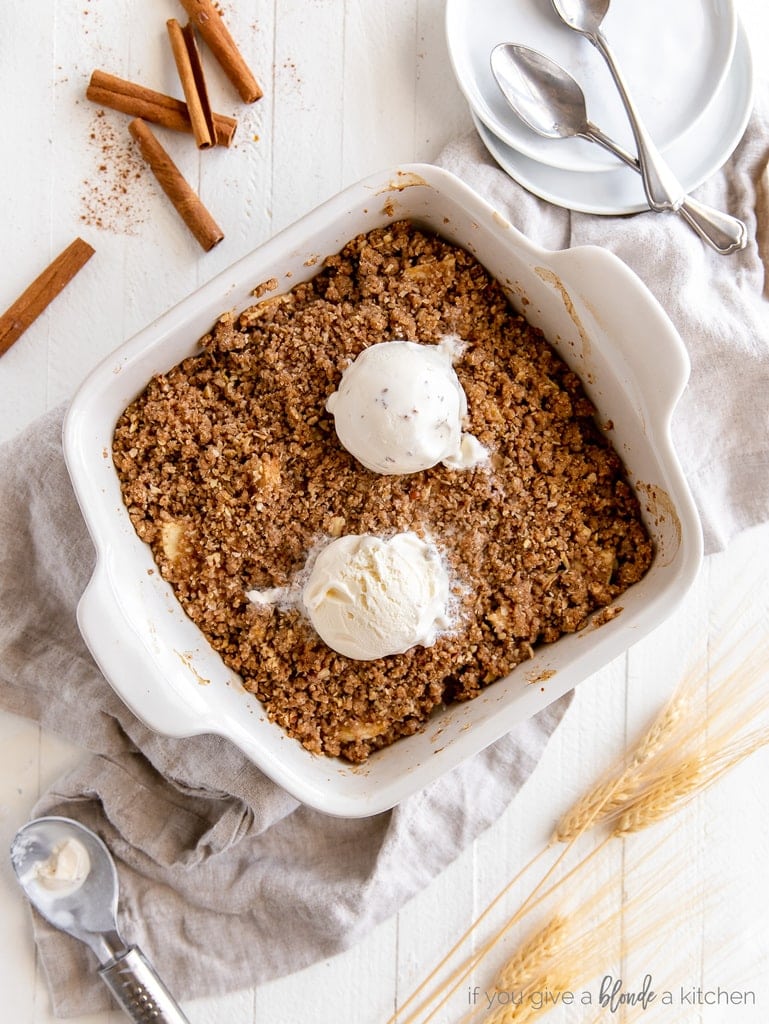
x,y
232,471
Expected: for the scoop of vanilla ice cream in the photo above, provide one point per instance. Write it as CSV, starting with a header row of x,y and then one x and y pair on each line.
x,y
368,597
400,408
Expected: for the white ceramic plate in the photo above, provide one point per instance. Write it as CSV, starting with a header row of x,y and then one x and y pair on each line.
x,y
673,55
694,157
606,325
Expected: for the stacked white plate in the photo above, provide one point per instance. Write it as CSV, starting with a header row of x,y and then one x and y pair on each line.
x,y
687,65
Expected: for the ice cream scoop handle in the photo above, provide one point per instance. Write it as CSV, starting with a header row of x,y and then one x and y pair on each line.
x,y
133,982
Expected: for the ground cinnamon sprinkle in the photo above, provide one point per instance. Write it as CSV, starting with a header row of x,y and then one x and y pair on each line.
x,y
114,196
232,472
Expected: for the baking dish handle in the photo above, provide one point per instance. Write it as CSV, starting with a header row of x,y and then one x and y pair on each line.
x,y
128,665
641,330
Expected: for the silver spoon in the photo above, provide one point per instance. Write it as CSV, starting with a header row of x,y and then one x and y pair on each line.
x,y
663,191
547,99
69,876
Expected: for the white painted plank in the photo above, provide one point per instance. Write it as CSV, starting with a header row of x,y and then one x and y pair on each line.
x,y
379,86
441,111
308,105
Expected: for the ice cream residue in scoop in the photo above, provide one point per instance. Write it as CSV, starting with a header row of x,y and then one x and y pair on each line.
x,y
65,869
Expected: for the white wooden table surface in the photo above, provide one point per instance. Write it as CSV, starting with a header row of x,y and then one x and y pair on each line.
x,y
351,86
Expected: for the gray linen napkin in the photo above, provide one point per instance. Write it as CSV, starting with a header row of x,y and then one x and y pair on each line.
x,y
226,881
721,427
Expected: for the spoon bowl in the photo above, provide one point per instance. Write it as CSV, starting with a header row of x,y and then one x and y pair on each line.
x,y
547,98
542,93
583,16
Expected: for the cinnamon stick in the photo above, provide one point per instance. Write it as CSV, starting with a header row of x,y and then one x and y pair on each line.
x,y
43,290
138,101
190,69
208,21
184,198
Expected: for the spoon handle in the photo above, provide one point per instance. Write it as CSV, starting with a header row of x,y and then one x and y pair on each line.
x,y
724,233
663,190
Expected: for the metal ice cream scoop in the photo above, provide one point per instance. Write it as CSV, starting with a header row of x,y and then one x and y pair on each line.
x,y
69,876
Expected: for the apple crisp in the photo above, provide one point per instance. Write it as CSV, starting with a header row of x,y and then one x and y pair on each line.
x,y
232,471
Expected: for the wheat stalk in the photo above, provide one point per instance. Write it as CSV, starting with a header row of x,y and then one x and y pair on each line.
x,y
687,778
662,797
672,782
542,947
449,986
609,794
396,1017
668,787
692,710
554,982
577,941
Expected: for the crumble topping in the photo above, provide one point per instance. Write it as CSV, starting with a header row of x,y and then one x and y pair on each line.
x,y
231,470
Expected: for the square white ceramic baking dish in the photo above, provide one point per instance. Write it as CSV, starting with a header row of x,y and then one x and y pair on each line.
x,y
596,313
